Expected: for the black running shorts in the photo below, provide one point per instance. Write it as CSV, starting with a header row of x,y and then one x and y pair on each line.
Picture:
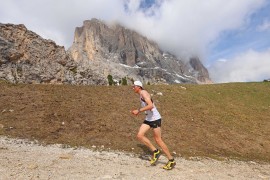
x,y
153,124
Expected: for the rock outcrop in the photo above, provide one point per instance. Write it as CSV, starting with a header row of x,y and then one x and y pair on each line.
x,y
25,57
120,52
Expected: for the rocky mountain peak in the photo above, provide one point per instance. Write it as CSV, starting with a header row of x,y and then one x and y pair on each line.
x,y
98,50
121,52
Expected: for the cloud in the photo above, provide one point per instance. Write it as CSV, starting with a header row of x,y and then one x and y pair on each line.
x,y
179,26
265,26
189,26
246,67
57,20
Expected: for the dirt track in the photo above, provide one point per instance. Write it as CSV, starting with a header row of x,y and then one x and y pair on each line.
x,y
20,159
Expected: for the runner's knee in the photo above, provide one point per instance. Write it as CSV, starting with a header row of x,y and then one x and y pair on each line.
x,y
140,136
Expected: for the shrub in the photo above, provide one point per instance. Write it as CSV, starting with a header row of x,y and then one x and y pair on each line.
x,y
124,81
110,80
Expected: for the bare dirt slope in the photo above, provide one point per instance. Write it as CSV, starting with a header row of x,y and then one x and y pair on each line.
x,y
217,121
20,159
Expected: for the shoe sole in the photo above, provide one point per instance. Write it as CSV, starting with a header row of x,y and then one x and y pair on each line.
x,y
171,167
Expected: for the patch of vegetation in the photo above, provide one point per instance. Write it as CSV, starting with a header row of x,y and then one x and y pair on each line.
x,y
110,80
3,81
124,81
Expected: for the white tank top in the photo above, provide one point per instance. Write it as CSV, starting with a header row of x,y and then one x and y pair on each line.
x,y
151,115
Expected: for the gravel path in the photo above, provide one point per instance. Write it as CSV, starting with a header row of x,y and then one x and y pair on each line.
x,y
21,159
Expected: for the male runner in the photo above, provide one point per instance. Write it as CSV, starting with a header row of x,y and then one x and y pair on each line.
x,y
152,120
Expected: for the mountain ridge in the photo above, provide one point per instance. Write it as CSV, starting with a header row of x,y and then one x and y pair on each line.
x,y
119,45
98,50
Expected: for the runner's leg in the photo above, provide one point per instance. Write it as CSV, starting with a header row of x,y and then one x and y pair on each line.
x,y
160,142
141,136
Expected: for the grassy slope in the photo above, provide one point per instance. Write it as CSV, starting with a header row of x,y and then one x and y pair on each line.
x,y
221,120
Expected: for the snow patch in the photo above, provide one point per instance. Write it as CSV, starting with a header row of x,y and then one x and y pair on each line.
x,y
165,54
136,66
181,76
125,65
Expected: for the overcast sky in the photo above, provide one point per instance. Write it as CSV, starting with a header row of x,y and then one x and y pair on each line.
x,y
231,37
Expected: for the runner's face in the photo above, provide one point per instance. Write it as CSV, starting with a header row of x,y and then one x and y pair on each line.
x,y
135,88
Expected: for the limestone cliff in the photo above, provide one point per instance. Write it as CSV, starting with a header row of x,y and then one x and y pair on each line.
x,y
25,57
113,49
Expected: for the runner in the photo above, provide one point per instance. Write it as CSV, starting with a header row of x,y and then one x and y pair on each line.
x,y
152,120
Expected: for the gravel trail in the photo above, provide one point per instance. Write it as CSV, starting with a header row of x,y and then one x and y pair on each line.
x,y
21,159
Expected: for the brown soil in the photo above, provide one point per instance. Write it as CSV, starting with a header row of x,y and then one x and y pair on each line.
x,y
194,124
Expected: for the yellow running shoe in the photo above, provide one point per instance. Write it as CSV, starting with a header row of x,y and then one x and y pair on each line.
x,y
170,165
156,155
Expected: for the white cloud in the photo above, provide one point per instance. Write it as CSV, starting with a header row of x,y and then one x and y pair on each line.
x,y
246,67
57,20
189,26
264,27
179,26
222,60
